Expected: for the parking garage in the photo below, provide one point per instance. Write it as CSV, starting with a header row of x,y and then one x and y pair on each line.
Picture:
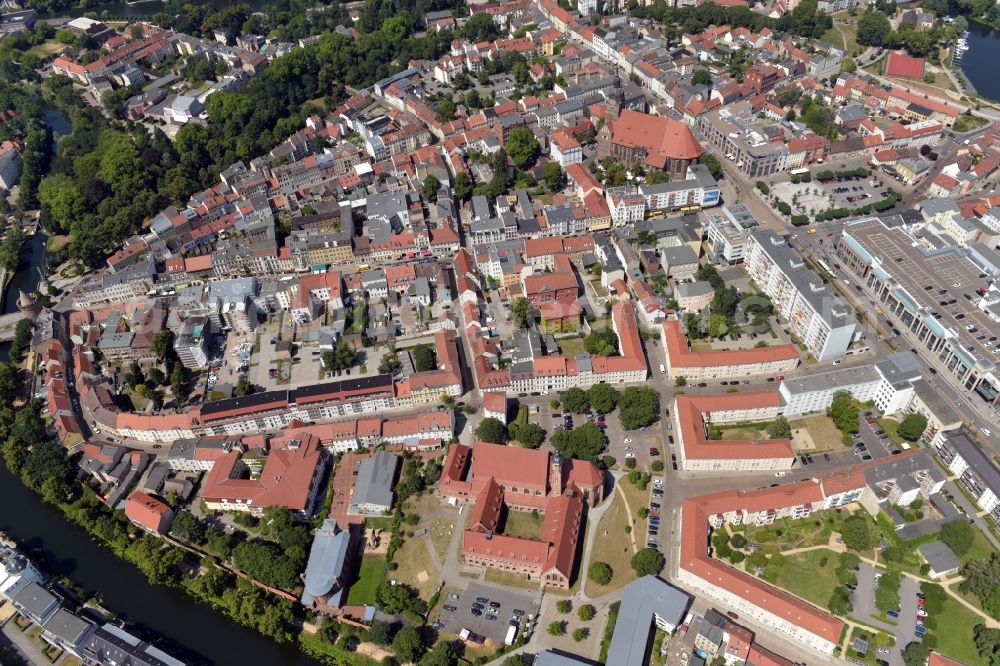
x,y
932,291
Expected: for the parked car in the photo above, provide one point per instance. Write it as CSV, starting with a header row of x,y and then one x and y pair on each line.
x,y
450,608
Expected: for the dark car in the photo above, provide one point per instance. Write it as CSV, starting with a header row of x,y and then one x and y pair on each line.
x,y
482,600
653,451
450,609
826,456
494,605
476,612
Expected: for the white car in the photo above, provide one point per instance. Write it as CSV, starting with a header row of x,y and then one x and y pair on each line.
x,y
630,455
779,474
985,431
628,440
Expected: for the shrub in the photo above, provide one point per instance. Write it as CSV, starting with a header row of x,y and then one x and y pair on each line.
x,y
600,573
762,186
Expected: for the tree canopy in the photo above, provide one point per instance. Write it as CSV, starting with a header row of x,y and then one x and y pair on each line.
x,y
522,147
491,430
648,562
575,400
912,427
584,443
958,535
638,407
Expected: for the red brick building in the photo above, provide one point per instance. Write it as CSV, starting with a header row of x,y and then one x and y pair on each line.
x,y
654,142
499,479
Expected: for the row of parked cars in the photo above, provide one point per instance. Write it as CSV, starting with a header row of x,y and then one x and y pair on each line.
x,y
653,531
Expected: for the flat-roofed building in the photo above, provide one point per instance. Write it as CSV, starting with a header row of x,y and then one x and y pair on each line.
x,y
933,291
815,314
807,394
975,471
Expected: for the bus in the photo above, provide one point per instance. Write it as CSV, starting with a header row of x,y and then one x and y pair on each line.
x,y
690,209
798,172
822,264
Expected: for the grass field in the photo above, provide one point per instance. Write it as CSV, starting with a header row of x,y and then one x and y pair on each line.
x,y
524,524
49,47
509,578
369,576
981,547
811,575
824,434
954,632
968,123
56,243
613,547
414,560
843,36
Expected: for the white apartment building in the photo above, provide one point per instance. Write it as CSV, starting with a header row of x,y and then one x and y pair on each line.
x,y
727,233
975,471
809,394
627,206
697,189
814,312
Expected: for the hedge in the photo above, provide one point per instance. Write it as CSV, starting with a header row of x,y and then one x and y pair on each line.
x,y
800,220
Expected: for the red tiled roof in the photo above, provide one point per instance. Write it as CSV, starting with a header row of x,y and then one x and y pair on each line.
x,y
678,354
689,410
659,136
146,510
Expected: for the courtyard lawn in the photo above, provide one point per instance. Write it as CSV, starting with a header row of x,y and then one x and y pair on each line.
x,y
825,435
48,48
370,574
415,567
524,524
742,433
510,579
811,575
613,547
981,547
571,347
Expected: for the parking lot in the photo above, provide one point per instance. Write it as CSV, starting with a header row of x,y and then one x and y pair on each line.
x,y
863,600
874,445
847,192
483,597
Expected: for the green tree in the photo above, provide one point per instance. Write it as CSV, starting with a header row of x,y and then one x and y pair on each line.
x,y
779,428
188,528
712,164
583,443
340,357
840,601
603,397
701,77
397,598
638,407
680,381
463,186
857,533
648,562
430,188
243,387
887,590
424,358
520,312
575,400
987,644
163,344
915,653
912,427
515,660
552,174
557,628
408,645
873,28
530,435
580,634
564,606
491,430
522,147
445,110
600,573
958,535
844,411
602,342
586,612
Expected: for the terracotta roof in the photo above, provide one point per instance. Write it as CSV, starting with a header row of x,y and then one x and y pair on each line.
x,y
937,659
146,510
511,465
689,410
678,354
659,136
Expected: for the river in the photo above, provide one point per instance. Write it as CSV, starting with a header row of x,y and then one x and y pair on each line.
x,y
189,630
980,61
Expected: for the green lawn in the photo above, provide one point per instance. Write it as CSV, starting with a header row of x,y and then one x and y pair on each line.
x,y
524,524
954,632
891,426
742,433
811,575
968,123
571,347
981,547
369,576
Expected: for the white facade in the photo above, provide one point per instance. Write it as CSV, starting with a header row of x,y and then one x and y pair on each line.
x,y
815,314
814,393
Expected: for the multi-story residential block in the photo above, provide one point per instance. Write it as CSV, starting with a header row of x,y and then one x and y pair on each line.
x,y
697,189
727,233
627,205
736,134
680,361
975,471
814,312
